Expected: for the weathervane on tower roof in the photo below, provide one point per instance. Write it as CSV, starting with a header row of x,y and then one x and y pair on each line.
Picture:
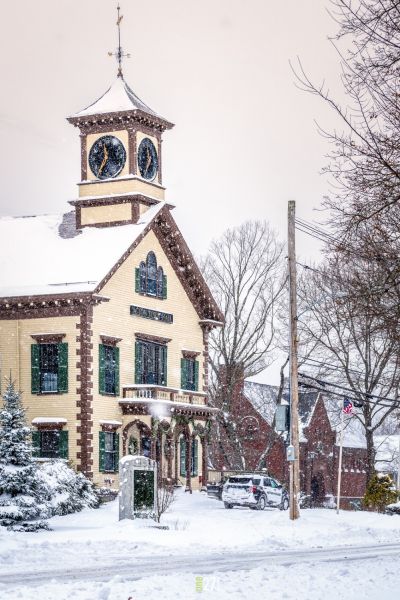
x,y
119,53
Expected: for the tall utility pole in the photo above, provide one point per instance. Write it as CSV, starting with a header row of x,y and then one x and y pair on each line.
x,y
294,470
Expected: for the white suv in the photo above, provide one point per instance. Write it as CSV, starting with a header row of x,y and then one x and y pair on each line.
x,y
255,491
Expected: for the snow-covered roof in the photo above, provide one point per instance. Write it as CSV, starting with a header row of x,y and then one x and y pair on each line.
x,y
50,256
353,432
263,398
353,435
118,98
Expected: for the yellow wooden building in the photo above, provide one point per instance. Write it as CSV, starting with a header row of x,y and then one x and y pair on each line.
x,y
104,314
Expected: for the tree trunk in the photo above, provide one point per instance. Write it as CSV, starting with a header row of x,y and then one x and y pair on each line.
x,y
369,436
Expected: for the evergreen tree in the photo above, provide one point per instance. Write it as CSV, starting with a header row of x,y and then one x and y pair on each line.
x,y
380,492
20,489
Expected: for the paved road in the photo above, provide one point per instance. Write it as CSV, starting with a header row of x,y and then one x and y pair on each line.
x,y
141,567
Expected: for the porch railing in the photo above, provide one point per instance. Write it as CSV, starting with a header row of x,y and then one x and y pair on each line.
x,y
155,392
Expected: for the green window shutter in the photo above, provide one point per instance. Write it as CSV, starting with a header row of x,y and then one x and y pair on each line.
x,y
183,373
164,360
137,280
116,450
35,443
102,369
63,367
63,444
195,454
182,457
102,447
138,362
35,372
164,295
116,358
196,375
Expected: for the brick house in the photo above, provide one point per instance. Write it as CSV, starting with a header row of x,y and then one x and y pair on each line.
x,y
254,406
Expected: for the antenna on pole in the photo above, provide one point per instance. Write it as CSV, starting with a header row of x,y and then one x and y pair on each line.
x,y
119,53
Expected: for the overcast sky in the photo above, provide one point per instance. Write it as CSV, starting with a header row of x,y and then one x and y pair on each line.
x,y
244,140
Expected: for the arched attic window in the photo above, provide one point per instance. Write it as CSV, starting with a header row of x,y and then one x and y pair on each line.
x,y
150,278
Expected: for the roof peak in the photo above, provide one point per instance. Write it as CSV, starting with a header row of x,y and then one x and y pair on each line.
x,y
119,97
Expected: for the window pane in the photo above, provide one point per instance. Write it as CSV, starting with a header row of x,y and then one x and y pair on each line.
x,y
110,366
49,444
142,270
160,282
146,446
151,274
109,453
190,374
48,365
152,363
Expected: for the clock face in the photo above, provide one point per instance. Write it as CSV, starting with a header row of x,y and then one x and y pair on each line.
x,y
107,157
147,159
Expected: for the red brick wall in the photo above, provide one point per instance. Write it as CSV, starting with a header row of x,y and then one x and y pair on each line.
x,y
318,455
321,455
244,414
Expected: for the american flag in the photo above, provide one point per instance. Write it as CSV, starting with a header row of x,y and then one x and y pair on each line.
x,y
347,406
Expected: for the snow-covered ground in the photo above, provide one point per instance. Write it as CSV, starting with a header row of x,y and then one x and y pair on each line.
x,y
90,555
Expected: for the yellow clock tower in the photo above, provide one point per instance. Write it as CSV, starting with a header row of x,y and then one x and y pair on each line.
x,y
121,158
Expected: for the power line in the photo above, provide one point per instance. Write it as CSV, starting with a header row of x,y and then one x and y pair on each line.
x,y
316,229
330,366
368,396
356,401
312,235
378,289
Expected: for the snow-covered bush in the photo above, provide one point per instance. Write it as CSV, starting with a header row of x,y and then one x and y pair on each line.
x,y
30,493
165,497
65,490
393,509
21,493
380,492
106,494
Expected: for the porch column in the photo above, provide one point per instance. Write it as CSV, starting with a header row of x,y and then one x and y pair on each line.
x,y
153,450
204,463
169,456
159,455
176,454
188,438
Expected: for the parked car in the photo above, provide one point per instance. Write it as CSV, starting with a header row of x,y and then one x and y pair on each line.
x,y
255,491
214,488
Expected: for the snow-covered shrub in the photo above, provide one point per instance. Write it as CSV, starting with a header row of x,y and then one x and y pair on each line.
x,y
21,493
165,497
106,494
393,509
304,500
65,490
329,501
29,493
380,492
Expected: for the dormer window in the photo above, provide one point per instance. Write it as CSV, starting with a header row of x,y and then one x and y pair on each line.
x,y
150,278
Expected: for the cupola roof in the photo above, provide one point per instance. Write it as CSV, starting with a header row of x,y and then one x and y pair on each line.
x,y
121,100
118,98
